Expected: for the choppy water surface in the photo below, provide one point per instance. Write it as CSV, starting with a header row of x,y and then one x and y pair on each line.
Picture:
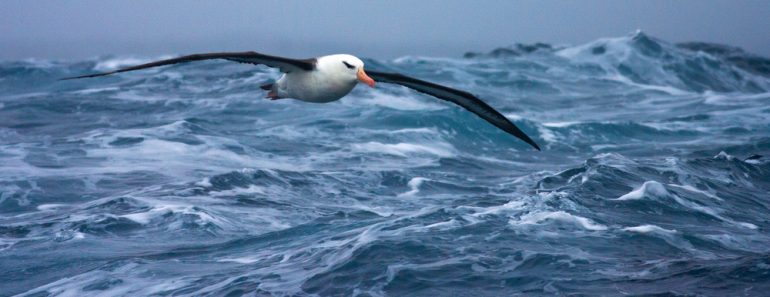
x,y
183,181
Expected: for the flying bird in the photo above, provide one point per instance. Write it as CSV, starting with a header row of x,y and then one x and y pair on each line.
x,y
329,78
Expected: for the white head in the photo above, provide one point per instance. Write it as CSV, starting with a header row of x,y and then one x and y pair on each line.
x,y
346,67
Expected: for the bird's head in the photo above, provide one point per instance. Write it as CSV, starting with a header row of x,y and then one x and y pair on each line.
x,y
348,66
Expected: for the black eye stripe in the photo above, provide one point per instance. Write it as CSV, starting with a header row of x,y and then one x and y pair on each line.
x,y
348,65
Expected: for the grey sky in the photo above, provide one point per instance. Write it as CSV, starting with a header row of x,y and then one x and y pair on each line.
x,y
384,29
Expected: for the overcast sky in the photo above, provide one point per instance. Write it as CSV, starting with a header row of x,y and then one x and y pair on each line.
x,y
380,29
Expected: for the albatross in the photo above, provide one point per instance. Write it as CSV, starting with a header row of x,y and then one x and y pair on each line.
x,y
329,78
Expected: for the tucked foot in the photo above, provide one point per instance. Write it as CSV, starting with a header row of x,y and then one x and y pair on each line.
x,y
272,95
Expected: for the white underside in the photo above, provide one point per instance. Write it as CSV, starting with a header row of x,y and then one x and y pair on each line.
x,y
312,86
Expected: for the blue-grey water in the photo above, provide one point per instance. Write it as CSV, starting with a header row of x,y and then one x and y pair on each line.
x,y
183,181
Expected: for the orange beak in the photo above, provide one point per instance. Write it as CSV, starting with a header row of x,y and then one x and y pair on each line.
x,y
364,78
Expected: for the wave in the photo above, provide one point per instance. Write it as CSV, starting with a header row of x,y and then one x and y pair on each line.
x,y
642,59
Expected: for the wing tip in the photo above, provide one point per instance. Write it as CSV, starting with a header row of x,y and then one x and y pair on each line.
x,y
532,143
512,129
86,76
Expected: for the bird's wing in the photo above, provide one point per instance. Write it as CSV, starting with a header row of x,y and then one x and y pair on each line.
x,y
462,98
285,64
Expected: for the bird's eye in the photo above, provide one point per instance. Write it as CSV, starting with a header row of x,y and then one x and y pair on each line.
x,y
348,65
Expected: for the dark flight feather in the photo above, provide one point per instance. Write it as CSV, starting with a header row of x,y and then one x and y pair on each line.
x,y
285,64
464,99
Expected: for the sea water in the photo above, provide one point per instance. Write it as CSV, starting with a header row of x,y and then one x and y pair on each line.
x,y
183,181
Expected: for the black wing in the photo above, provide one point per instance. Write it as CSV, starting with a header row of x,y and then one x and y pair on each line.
x,y
462,98
285,64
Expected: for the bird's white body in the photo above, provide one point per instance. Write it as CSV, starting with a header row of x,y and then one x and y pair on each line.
x,y
331,80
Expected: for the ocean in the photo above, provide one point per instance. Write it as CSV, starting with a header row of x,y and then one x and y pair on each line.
x,y
654,178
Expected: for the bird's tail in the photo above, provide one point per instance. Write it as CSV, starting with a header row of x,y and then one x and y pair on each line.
x,y
271,94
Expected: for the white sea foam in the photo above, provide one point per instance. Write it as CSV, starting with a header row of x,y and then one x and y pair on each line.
x,y
414,185
512,206
66,235
51,206
734,99
672,237
613,159
547,135
403,102
180,158
444,150
445,225
534,218
133,281
139,96
653,189
95,90
206,182
649,229
648,189
695,190
414,130
241,260
252,189
146,217
560,124
513,116
724,156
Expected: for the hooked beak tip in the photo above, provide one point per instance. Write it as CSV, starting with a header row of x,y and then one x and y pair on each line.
x,y
365,78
